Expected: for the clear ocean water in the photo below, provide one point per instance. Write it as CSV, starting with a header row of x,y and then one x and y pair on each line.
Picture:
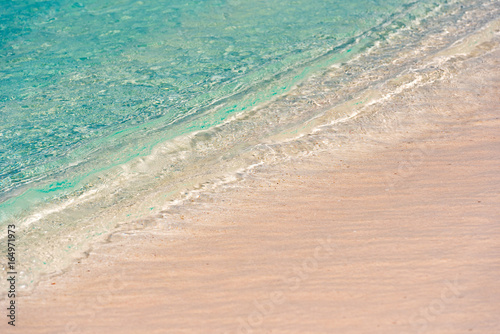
x,y
111,108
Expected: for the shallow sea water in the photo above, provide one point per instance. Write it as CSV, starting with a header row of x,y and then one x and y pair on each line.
x,y
111,111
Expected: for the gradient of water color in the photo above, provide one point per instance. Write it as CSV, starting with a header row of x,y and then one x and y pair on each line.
x,y
121,97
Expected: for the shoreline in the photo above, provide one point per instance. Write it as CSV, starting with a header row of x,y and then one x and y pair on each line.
x,y
136,194
385,235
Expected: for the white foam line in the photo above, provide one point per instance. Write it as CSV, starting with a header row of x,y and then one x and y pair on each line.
x,y
44,213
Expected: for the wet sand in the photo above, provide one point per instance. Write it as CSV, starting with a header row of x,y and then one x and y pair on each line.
x,y
384,235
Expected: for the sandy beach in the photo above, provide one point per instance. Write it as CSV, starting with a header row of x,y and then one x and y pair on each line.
x,y
386,234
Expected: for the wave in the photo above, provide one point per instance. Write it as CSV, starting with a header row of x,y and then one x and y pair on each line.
x,y
160,165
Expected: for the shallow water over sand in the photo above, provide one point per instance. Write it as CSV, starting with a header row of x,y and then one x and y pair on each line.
x,y
162,125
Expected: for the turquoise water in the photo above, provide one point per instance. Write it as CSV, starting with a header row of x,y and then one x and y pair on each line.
x,y
76,73
119,98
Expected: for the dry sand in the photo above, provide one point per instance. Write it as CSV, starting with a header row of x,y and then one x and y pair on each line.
x,y
390,236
